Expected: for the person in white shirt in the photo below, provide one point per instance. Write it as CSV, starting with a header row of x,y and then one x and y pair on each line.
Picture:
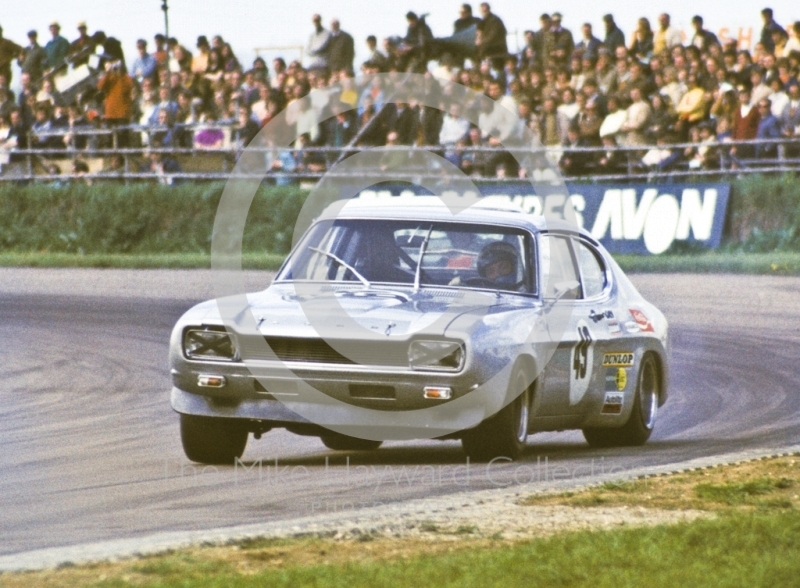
x,y
454,128
778,99
318,45
667,36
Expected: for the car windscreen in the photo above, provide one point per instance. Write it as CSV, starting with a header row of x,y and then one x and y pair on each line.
x,y
390,251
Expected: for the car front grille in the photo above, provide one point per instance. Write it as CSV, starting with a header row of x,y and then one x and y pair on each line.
x,y
314,350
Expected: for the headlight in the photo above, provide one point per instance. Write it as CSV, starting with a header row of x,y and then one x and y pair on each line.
x,y
209,344
436,355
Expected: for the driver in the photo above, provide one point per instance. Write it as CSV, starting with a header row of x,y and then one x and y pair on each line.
x,y
497,263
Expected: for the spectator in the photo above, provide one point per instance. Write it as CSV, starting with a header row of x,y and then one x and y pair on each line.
x,y
543,41
574,161
611,160
667,36
769,127
491,39
589,44
614,36
692,106
145,64
82,47
413,51
779,98
702,39
341,49
117,86
405,122
745,125
377,59
589,123
768,31
57,48
641,46
793,42
33,59
165,103
454,129
163,167
200,61
318,45
9,51
637,119
563,42
8,142
759,89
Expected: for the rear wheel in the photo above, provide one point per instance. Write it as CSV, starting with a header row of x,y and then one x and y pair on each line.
x,y
340,442
504,434
212,440
639,426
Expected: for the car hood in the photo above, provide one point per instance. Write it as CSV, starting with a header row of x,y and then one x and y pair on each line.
x,y
286,310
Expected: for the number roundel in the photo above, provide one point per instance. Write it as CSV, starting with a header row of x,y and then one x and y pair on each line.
x,y
581,363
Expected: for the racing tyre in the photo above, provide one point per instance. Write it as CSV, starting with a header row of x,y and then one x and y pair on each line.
x,y
212,440
639,426
340,442
504,434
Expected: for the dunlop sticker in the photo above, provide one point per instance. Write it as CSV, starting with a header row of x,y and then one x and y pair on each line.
x,y
618,359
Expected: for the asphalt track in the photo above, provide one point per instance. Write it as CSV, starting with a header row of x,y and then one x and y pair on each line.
x,y
91,450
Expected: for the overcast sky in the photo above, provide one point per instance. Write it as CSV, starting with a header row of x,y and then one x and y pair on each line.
x,y
248,24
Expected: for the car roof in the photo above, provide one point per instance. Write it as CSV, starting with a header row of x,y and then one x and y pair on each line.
x,y
432,208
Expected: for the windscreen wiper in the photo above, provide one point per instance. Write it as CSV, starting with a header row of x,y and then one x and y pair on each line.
x,y
344,264
422,248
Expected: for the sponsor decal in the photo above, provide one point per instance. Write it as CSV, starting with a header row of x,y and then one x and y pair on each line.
x,y
613,328
581,363
622,378
618,359
641,320
631,327
616,379
612,403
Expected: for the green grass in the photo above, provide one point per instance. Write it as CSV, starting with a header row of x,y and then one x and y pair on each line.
x,y
742,549
263,261
777,263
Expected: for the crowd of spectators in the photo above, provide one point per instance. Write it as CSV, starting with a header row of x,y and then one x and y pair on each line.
x,y
650,91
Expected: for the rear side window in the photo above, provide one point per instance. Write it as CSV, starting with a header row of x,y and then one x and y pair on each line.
x,y
557,263
592,271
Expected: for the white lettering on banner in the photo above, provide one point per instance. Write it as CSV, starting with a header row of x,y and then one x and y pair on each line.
x,y
700,215
659,228
660,219
633,217
610,213
578,203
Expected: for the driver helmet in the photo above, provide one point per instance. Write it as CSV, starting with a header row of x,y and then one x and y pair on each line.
x,y
494,252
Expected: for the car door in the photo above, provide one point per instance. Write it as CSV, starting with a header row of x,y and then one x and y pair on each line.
x,y
578,322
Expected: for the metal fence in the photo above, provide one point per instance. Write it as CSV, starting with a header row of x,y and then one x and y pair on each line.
x,y
96,147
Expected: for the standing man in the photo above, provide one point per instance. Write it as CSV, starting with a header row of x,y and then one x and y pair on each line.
x,y
341,49
589,44
57,48
666,36
543,40
82,47
770,27
702,39
33,58
465,19
563,43
117,86
144,67
491,38
318,44
9,51
614,36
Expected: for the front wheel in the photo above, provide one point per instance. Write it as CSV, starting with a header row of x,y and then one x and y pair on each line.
x,y
504,434
212,440
639,426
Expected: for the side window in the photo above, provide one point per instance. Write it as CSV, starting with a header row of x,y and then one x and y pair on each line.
x,y
592,271
557,263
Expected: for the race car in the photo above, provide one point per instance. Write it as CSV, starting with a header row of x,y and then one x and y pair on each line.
x,y
405,320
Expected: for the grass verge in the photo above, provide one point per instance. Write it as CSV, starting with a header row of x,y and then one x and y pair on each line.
x,y
776,263
752,541
780,263
261,261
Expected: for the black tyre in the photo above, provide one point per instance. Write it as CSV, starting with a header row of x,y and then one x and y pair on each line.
x,y
212,440
639,426
504,434
340,442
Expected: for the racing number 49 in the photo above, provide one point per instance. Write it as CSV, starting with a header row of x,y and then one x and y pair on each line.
x,y
581,356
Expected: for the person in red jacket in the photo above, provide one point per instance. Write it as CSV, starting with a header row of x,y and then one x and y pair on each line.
x,y
117,86
745,125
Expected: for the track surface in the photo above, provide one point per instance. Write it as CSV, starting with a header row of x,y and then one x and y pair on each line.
x,y
91,450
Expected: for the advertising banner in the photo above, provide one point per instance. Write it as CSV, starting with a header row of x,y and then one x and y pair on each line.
x,y
625,218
